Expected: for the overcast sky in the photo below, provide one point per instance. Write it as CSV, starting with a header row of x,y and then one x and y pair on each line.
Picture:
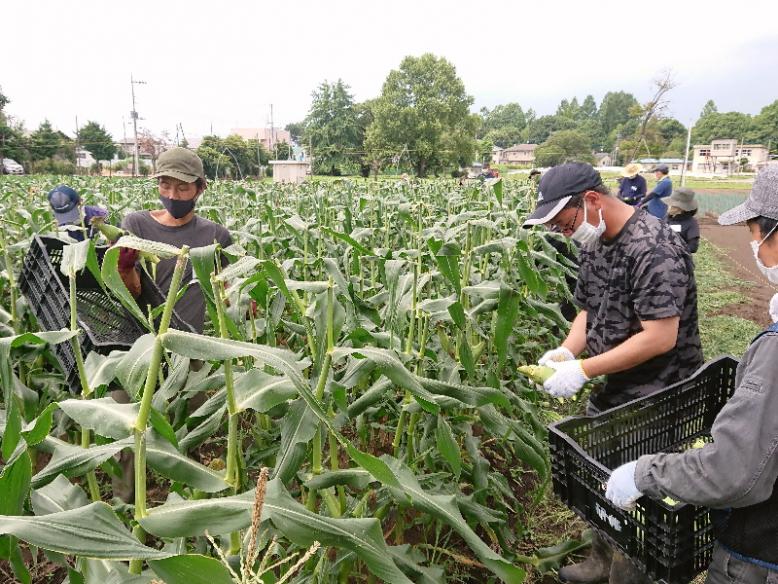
x,y
220,64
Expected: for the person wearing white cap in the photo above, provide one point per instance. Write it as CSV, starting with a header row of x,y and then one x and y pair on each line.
x,y
737,473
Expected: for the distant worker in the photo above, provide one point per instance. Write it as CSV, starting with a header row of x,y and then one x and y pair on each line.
x,y
534,175
632,185
662,189
680,216
69,210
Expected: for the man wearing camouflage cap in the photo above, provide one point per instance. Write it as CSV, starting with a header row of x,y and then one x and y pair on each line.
x,y
181,181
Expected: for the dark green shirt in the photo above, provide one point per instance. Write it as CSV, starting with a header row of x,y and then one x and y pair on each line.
x,y
198,232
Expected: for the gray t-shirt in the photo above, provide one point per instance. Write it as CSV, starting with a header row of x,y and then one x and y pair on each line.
x,y
644,273
198,232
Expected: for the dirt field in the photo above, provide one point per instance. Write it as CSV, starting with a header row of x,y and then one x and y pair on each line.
x,y
733,242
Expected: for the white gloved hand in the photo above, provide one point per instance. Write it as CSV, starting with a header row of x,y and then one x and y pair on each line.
x,y
621,489
558,354
567,380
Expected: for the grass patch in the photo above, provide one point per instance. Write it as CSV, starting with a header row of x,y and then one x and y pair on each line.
x,y
717,289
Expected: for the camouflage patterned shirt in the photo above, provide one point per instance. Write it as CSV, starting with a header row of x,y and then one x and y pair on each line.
x,y
644,273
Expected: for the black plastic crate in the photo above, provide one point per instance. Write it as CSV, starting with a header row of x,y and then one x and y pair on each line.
x,y
106,325
669,543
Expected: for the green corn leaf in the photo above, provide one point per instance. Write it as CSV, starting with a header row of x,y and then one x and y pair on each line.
x,y
105,416
14,485
202,347
507,311
191,569
59,495
93,531
448,447
74,461
169,462
360,536
298,428
444,508
133,368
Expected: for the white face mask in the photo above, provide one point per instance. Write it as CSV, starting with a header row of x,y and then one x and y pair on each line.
x,y
770,273
587,234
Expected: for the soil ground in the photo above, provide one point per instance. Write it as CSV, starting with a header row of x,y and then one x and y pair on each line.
x,y
733,244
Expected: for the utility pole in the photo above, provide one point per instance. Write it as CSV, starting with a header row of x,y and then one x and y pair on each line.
x,y
686,154
77,147
134,114
272,130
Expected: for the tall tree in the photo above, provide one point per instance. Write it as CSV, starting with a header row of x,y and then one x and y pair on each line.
x,y
331,128
765,125
541,128
616,109
509,115
588,109
296,130
718,126
563,146
423,111
95,139
709,108
45,142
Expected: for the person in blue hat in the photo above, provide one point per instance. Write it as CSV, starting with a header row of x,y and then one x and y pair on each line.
x,y
69,210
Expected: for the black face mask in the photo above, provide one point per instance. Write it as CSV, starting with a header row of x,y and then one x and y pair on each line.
x,y
177,208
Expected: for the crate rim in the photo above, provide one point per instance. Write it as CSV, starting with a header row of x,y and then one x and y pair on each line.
x,y
554,427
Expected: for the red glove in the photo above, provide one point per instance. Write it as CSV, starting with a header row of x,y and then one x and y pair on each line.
x,y
127,258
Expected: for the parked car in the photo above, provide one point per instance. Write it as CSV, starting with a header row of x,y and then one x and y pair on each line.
x,y
10,166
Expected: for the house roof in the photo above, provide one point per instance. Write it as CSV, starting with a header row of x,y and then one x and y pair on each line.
x,y
521,148
739,145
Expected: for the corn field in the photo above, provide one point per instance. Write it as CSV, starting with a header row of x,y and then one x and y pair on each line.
x,y
358,417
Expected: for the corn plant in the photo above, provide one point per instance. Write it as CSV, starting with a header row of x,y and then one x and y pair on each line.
x,y
362,344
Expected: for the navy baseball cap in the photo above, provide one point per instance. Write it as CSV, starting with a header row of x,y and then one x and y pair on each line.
x,y
558,186
64,202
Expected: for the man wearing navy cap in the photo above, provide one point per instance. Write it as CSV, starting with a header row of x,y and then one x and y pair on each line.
x,y
638,312
68,209
662,189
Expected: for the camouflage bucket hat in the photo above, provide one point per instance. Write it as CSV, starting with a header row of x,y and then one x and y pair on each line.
x,y
180,163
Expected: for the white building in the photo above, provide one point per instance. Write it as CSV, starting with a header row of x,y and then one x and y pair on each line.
x,y
290,171
728,157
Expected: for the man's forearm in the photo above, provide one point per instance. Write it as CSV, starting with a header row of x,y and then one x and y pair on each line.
x,y
131,279
576,338
638,349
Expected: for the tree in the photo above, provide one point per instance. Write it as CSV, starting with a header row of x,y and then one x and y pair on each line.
x,y
282,151
541,128
45,142
509,115
149,144
424,110
765,125
296,129
709,108
505,137
616,109
95,139
717,126
331,128
563,146
588,109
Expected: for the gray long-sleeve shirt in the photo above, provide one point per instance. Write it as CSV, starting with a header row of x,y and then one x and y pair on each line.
x,y
740,467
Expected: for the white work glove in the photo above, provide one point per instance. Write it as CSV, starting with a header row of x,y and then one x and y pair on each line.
x,y
567,380
558,354
621,489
